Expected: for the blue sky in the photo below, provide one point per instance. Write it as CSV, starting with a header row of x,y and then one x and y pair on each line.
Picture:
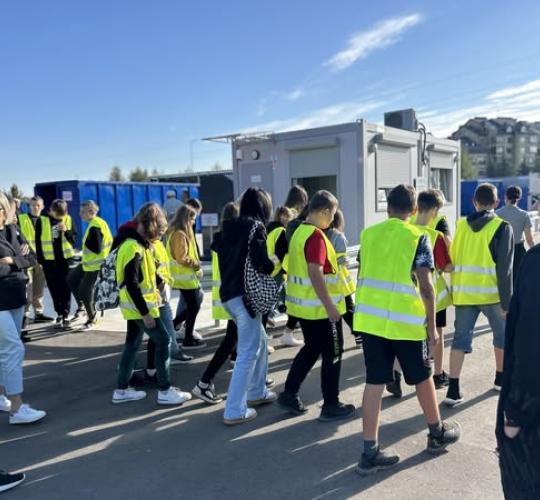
x,y
88,85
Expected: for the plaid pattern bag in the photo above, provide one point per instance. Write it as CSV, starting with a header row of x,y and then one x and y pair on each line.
x,y
262,291
106,290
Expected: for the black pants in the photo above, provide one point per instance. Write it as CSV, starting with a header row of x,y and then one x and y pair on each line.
x,y
519,253
349,312
191,298
319,341
56,273
82,285
292,322
225,349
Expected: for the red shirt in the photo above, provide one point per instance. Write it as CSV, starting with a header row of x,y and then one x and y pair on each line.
x,y
440,253
315,251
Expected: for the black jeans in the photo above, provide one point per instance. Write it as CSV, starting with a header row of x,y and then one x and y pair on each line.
x,y
82,285
134,336
319,341
349,312
225,349
56,273
191,298
519,253
292,322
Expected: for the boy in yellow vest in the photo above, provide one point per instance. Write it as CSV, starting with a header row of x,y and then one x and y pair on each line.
x,y
315,296
395,312
482,252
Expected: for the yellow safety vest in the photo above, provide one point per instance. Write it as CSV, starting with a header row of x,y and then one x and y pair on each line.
x,y
184,277
47,241
474,280
347,282
126,253
271,241
92,261
218,311
163,261
388,302
443,295
302,300
433,224
28,230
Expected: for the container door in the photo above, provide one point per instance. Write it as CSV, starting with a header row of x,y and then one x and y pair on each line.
x,y
155,193
107,205
124,204
139,196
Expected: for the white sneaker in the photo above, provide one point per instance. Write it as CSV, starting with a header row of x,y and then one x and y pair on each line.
x,y
270,349
197,335
173,396
288,339
127,395
5,403
181,332
26,415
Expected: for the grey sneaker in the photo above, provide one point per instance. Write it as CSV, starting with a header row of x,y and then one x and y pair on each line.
x,y
451,432
380,461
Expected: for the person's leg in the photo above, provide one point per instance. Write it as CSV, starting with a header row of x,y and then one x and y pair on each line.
x,y
165,314
191,298
465,321
331,351
150,357
224,350
181,310
64,290
371,411
29,292
498,326
257,385
12,356
74,281
349,312
161,339
134,337
38,287
305,359
249,343
86,292
53,283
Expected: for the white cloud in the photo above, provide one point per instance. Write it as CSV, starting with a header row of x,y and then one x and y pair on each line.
x,y
361,44
295,94
329,115
514,91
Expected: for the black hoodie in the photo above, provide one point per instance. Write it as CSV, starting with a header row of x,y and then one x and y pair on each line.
x,y
231,247
502,251
282,246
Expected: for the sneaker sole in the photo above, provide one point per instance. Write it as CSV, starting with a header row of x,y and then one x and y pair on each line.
x,y
292,411
120,401
452,403
333,419
238,421
6,487
202,397
373,470
21,422
261,402
172,403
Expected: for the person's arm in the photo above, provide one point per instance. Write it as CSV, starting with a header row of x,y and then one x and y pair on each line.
x,y
502,251
444,228
39,249
340,243
316,275
94,240
179,250
529,236
441,256
258,252
282,246
132,274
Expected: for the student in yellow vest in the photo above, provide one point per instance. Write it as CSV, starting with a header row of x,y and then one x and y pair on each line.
x,y
204,389
55,240
336,235
277,247
482,253
315,296
36,278
395,312
139,282
96,245
186,270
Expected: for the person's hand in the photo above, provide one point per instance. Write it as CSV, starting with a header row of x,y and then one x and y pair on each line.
x,y
511,431
25,249
148,321
333,314
199,273
503,313
62,227
7,260
433,336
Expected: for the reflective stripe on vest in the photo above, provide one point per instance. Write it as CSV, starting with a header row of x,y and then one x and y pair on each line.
x,y
148,286
474,280
302,300
388,303
92,261
47,247
184,277
218,311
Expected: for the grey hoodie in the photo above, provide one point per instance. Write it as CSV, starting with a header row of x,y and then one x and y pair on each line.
x,y
502,251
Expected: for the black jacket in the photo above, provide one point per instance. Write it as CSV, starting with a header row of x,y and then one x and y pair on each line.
x,y
71,236
12,276
282,246
231,245
502,251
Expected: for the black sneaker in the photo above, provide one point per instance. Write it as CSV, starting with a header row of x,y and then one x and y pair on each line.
x,y
358,339
181,357
394,387
451,432
292,404
193,344
497,385
41,318
270,383
78,314
66,323
441,380
207,393
58,322
8,481
453,398
337,411
380,461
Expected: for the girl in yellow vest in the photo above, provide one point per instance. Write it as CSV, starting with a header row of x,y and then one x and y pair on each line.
x,y
186,270
335,234
55,240
96,245
139,281
315,296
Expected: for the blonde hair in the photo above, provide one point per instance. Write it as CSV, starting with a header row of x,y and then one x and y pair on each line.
x,y
284,212
91,205
152,219
5,205
181,220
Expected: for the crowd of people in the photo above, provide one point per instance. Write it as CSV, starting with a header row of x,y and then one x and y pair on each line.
x,y
411,269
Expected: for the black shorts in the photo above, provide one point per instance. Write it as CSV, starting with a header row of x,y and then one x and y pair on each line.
x,y
440,319
380,354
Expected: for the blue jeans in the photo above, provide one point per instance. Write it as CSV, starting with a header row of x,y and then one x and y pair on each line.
x,y
248,380
466,317
11,351
165,314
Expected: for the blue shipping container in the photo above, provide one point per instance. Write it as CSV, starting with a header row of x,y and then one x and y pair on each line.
x,y
118,201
